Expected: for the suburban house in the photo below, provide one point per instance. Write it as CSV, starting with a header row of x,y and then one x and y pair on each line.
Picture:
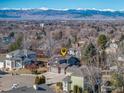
x,y
75,52
2,61
113,47
121,60
19,58
84,77
61,66
41,89
6,40
67,84
71,51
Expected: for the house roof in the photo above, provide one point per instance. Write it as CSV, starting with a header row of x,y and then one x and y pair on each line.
x,y
43,89
84,71
21,55
71,69
73,61
63,65
59,65
63,62
20,52
67,79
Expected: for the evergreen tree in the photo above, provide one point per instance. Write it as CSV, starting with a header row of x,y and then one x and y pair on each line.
x,y
89,52
16,45
102,40
11,34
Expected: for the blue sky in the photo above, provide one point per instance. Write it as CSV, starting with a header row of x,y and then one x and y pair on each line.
x,y
62,4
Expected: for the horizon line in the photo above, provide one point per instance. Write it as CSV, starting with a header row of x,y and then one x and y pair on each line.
x,y
64,9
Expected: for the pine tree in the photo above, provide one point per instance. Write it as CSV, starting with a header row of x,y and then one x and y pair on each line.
x,y
102,40
89,52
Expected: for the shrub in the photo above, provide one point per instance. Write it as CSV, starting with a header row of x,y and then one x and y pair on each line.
x,y
75,89
37,80
59,84
40,80
102,40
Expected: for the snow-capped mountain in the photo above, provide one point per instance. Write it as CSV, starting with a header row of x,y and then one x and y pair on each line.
x,y
60,14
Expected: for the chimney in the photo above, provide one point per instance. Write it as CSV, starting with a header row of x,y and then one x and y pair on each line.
x,y
26,52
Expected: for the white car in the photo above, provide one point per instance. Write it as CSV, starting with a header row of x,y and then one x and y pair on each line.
x,y
15,86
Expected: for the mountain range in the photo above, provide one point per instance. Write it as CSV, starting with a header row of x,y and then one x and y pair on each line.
x,y
67,14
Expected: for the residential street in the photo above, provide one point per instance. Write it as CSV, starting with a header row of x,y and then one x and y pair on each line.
x,y
6,81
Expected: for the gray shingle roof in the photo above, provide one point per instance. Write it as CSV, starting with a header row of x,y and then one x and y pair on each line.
x,y
85,71
20,52
67,79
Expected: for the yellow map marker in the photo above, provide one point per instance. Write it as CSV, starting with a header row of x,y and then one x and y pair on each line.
x,y
63,51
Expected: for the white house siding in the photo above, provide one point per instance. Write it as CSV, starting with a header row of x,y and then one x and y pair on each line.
x,y
79,81
65,86
56,70
8,56
2,65
8,64
14,59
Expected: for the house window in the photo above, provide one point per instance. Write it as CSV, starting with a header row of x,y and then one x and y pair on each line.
x,y
8,64
65,84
